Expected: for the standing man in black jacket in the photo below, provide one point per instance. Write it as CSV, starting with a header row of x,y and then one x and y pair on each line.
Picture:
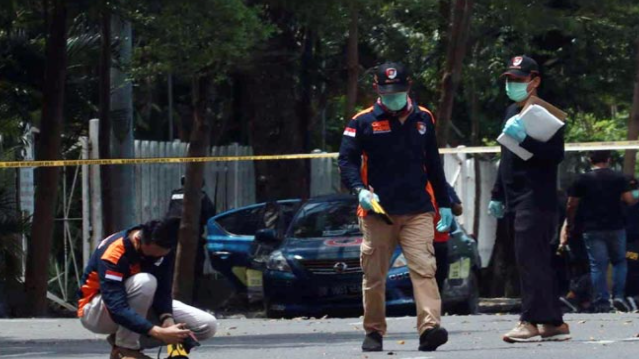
x,y
389,154
527,191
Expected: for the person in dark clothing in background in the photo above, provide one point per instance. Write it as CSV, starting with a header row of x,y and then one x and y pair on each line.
x,y
527,190
441,241
599,194
207,210
578,298
632,250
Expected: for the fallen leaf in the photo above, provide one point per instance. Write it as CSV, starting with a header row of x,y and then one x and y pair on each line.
x,y
232,328
581,322
401,342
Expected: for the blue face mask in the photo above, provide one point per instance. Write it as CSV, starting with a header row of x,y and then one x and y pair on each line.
x,y
517,91
395,101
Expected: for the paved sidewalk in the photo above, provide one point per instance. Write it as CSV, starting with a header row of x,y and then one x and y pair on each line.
x,y
601,336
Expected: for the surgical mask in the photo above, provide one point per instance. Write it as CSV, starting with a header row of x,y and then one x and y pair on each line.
x,y
395,101
517,91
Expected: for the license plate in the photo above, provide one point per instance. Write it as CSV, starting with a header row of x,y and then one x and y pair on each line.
x,y
459,269
339,290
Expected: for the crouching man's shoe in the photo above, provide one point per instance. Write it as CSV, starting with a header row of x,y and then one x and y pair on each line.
x,y
524,332
124,353
433,338
557,333
373,342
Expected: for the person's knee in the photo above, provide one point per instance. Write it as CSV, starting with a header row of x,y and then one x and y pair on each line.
x,y
142,284
208,327
422,266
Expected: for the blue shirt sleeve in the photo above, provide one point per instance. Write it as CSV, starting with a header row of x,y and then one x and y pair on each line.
x,y
115,299
350,157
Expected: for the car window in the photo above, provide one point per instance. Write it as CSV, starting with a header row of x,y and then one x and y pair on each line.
x,y
288,212
326,219
243,223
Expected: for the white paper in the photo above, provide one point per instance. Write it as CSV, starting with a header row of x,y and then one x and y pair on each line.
x,y
539,123
512,144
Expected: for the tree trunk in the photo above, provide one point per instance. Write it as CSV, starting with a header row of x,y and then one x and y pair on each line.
x,y
352,63
39,247
122,125
443,27
456,49
189,226
630,158
105,120
275,125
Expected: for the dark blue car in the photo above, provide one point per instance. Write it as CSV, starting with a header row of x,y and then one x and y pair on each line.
x,y
315,268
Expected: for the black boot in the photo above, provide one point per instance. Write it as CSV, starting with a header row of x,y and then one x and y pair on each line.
x,y
373,342
431,339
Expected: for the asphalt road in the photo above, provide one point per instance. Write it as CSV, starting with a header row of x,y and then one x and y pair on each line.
x,y
598,336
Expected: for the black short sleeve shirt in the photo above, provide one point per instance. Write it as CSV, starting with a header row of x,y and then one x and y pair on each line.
x,y
599,192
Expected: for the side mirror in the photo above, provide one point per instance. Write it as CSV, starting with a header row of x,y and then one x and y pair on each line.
x,y
266,236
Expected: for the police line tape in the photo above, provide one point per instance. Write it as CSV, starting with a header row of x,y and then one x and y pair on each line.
x,y
573,147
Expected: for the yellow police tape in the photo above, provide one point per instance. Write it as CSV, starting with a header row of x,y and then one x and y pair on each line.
x,y
618,145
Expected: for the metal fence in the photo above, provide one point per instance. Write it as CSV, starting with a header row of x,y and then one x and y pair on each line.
x,y
228,184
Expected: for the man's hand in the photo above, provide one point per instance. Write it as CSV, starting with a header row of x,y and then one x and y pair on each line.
x,y
564,236
515,128
365,197
496,209
173,334
446,220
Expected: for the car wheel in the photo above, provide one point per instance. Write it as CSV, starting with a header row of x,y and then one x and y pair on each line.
x,y
471,305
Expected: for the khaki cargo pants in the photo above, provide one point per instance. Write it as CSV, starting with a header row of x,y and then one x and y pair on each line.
x,y
415,234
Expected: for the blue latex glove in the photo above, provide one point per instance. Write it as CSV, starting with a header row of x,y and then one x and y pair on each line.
x,y
635,194
515,128
365,196
496,209
446,219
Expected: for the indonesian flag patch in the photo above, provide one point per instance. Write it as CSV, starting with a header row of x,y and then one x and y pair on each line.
x,y
350,132
114,276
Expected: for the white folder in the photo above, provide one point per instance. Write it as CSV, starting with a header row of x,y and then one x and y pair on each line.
x,y
539,123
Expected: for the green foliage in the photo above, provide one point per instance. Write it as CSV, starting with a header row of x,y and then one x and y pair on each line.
x,y
198,36
586,127
586,49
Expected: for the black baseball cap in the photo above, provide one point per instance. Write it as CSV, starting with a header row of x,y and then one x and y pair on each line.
x,y
392,77
521,66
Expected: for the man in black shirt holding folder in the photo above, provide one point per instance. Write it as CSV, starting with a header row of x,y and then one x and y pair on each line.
x,y
526,191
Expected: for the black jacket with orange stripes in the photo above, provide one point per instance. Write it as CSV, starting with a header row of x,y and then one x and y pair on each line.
x,y
396,160
111,264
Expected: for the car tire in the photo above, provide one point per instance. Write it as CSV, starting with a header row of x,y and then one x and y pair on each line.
x,y
471,305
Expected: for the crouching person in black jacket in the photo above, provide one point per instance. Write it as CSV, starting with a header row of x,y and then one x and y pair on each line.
x,y
126,292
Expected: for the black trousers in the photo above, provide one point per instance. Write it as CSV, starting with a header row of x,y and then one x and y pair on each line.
x,y
441,259
533,231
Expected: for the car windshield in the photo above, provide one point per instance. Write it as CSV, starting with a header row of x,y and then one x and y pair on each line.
x,y
326,219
